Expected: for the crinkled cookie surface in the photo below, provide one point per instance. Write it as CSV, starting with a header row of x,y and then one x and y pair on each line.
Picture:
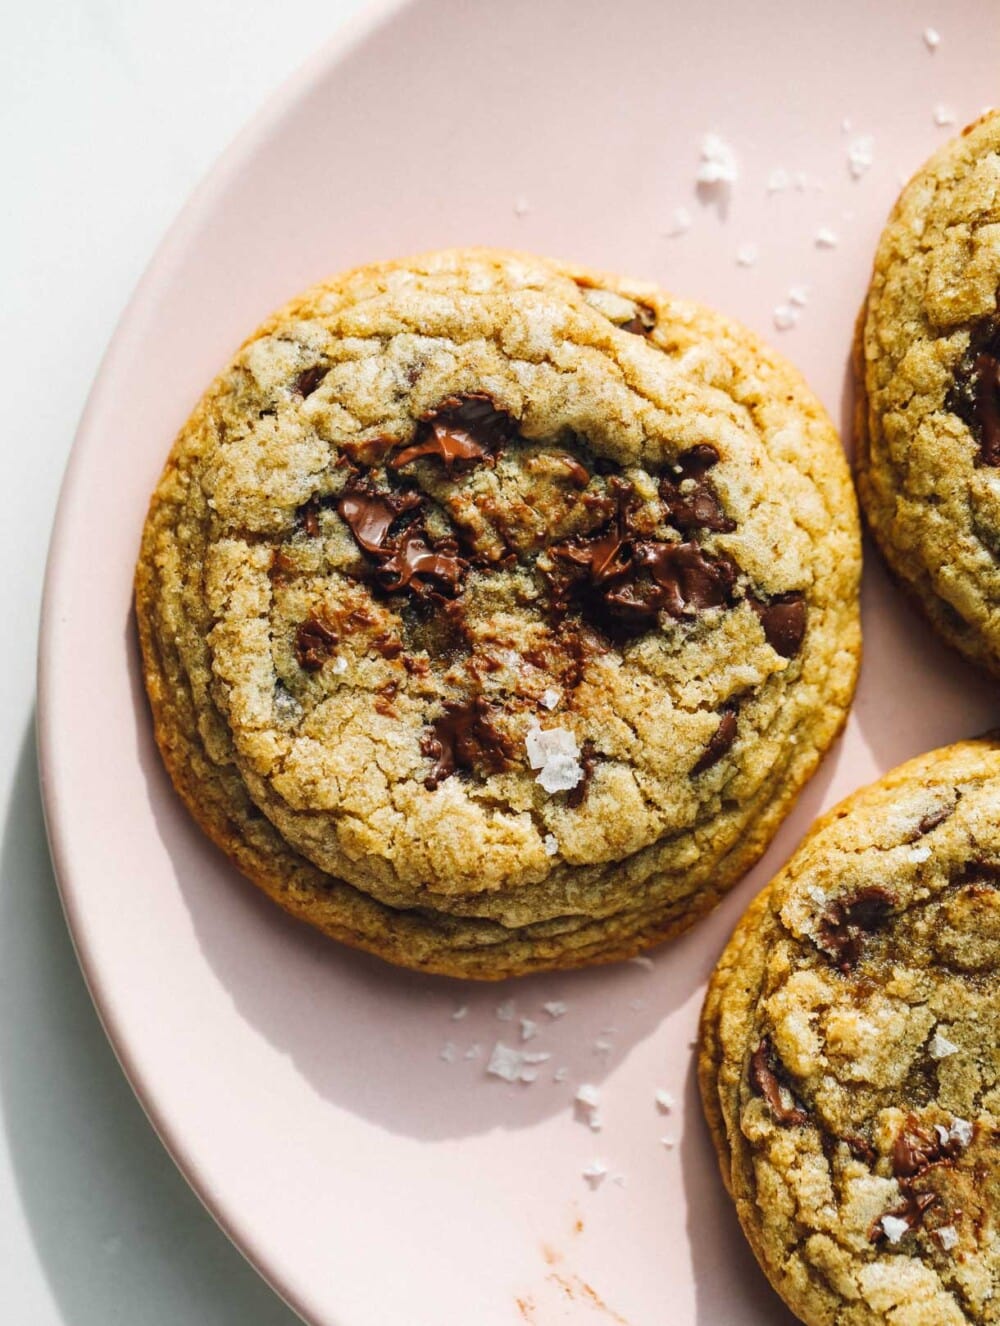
x,y
493,612
850,1054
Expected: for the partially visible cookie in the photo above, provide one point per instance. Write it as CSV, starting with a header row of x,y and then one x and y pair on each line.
x,y
493,612
927,367
850,1054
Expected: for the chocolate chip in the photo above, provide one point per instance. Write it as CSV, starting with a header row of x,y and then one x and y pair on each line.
x,y
783,619
915,1149
698,507
911,1210
462,429
975,393
464,737
308,517
765,1081
309,379
314,643
846,922
576,796
369,513
860,1148
931,820
719,742
642,323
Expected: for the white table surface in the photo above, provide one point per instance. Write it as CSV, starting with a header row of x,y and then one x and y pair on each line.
x,y
110,112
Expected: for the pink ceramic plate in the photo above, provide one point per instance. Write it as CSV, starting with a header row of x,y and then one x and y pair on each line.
x,y
328,1109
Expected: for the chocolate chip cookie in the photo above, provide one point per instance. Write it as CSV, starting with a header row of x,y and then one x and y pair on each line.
x,y
850,1057
493,612
927,359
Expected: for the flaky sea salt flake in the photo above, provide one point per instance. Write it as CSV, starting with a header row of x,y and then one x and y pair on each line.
x,y
515,1065
595,1173
932,38
529,1029
947,1236
556,1008
450,1052
826,238
940,1047
778,180
588,1096
799,296
944,115
894,1227
747,255
550,697
785,317
460,1012
551,844
554,752
668,1142
680,223
647,964
505,1011
718,162
664,1101
860,155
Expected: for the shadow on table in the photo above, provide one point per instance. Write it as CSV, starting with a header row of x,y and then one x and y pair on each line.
x,y
120,1236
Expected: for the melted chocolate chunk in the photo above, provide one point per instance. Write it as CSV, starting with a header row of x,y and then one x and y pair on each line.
x,y
783,619
309,379
688,579
464,737
314,643
860,1148
698,506
578,473
369,513
930,821
642,323
412,561
577,795
911,1209
766,1080
846,922
915,1150
975,393
719,742
463,429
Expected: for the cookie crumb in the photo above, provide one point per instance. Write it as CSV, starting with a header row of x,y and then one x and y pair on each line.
x,y
940,1047
515,1065
860,155
718,162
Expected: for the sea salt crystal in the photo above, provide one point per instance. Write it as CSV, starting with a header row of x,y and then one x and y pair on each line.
x,y
550,697
603,1047
637,1005
460,1012
919,853
894,1227
798,295
505,1011
588,1096
747,255
450,1052
668,1142
560,1075
932,38
680,222
521,207
940,1047
718,162
826,238
339,666
551,844
960,1131
664,1101
785,317
473,1052
595,1173
555,753
944,115
619,1179
646,963
556,1008
515,1065
529,1029
860,155
778,180
947,1236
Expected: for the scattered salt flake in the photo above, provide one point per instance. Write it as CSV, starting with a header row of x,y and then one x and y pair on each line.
x,y
718,162
556,1008
339,665
668,1142
595,1173
778,180
799,296
860,155
919,853
895,1227
826,238
845,125
596,1121
473,1052
944,115
641,961
588,1096
664,1101
636,1005
460,1012
550,697
529,1029
801,181
680,222
932,38
747,255
555,753
515,1065
947,1236
505,1011
785,317
551,844
560,1075
941,1047
817,894
521,207
603,1047
450,1052
619,1179
960,1131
